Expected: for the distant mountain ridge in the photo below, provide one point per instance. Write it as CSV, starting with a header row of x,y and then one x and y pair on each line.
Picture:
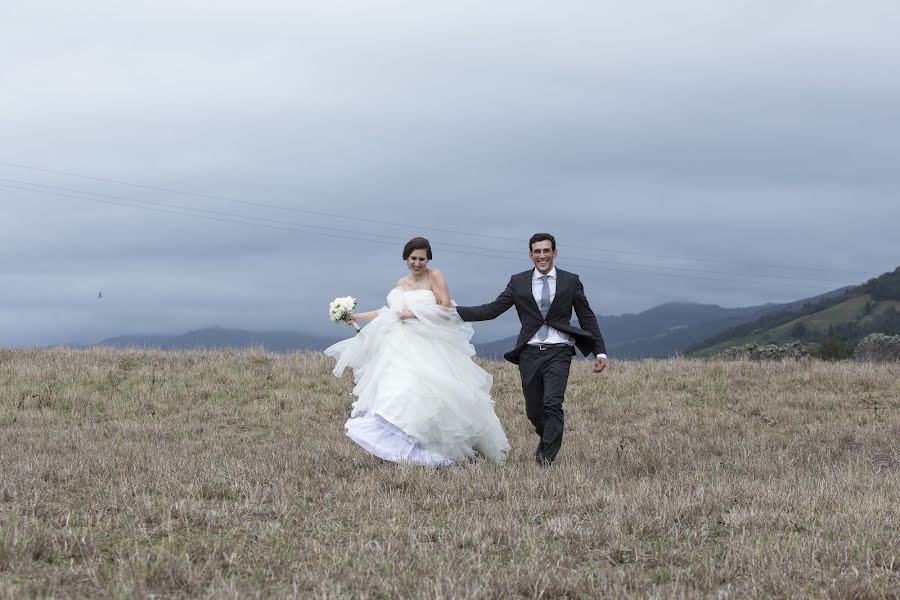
x,y
661,331
220,337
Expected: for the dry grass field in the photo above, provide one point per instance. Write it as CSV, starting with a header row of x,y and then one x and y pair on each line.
x,y
227,474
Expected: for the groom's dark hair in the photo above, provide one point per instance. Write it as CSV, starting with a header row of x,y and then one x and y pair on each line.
x,y
542,237
417,243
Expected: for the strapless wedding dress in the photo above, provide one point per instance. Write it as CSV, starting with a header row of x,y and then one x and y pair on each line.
x,y
420,397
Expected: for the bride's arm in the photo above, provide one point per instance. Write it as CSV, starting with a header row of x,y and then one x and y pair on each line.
x,y
440,288
366,316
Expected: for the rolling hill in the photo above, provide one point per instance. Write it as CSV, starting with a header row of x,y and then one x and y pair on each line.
x,y
662,331
873,307
219,337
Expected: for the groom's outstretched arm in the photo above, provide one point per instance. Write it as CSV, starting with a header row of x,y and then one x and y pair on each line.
x,y
488,311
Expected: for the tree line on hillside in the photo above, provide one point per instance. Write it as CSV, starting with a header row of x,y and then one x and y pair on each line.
x,y
886,287
840,340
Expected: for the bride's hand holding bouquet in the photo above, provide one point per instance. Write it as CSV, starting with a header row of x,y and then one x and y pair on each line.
x,y
341,311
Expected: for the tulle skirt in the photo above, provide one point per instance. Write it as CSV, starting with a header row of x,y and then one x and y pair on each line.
x,y
420,397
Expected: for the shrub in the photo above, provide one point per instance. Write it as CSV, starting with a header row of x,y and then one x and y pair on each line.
x,y
834,347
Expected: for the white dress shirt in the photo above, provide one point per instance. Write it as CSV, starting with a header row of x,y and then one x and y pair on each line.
x,y
553,336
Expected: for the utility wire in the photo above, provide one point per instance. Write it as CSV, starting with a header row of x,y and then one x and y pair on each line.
x,y
505,255
345,232
406,225
355,235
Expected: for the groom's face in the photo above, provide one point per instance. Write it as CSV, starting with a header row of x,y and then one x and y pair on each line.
x,y
542,255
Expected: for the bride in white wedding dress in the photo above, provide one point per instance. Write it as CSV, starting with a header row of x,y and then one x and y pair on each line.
x,y
420,397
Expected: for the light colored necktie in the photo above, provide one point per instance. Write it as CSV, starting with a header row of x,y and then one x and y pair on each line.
x,y
544,331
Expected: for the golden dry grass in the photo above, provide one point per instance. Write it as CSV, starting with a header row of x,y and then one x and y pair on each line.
x,y
227,474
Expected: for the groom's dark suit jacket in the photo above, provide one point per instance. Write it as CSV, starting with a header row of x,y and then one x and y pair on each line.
x,y
569,296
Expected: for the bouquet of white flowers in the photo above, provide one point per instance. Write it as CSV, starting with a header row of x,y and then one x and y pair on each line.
x,y
340,310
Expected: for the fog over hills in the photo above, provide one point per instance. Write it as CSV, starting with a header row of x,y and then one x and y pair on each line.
x,y
220,337
661,331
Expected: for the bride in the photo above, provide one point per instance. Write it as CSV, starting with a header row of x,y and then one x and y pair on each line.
x,y
420,397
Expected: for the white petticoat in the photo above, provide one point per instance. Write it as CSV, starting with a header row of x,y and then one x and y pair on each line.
x,y
420,397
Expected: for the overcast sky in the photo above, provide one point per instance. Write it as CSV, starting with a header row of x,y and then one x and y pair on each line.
x,y
205,164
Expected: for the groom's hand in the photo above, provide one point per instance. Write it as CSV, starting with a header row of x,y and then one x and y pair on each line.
x,y
599,365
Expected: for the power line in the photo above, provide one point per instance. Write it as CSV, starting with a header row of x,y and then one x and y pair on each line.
x,y
192,211
497,254
343,233
173,211
354,235
219,198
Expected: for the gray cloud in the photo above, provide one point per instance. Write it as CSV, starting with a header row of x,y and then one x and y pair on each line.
x,y
737,153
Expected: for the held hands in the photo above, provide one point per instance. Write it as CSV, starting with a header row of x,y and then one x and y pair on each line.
x,y
599,365
407,315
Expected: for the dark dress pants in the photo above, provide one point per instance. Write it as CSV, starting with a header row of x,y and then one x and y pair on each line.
x,y
545,374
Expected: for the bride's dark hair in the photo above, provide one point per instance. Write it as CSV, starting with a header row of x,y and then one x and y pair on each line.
x,y
417,243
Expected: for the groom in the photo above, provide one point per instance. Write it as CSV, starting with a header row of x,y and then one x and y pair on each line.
x,y
545,298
